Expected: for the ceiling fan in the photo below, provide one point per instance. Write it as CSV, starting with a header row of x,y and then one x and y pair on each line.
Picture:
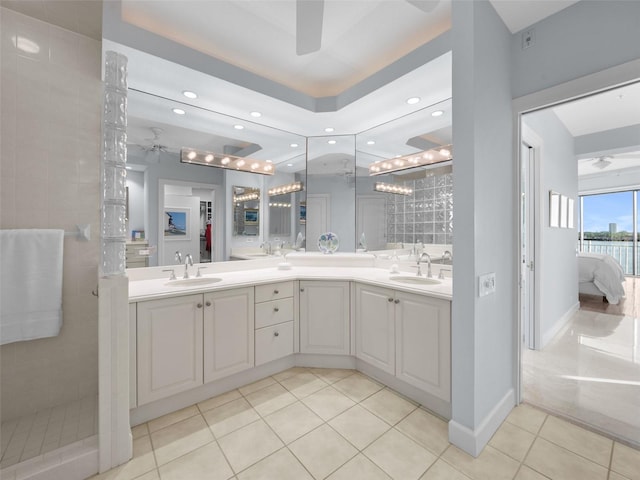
x,y
309,18
154,148
602,162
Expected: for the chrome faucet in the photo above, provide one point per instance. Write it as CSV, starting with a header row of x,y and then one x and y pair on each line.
x,y
188,260
178,257
425,254
446,256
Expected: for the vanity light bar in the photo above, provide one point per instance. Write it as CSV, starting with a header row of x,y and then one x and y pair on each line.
x,y
230,162
289,188
392,188
281,205
421,159
246,197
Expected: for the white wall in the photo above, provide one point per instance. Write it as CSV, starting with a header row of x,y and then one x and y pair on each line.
x,y
557,266
135,183
50,161
485,205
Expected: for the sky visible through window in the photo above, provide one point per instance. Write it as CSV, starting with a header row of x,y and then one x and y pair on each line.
x,y
601,210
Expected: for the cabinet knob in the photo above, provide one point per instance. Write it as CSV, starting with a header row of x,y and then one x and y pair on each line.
x,y
207,303
276,309
276,334
199,305
396,301
302,289
390,299
276,292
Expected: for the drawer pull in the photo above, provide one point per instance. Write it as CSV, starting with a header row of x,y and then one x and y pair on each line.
x,y
199,305
390,299
276,309
396,301
276,292
302,289
208,303
276,334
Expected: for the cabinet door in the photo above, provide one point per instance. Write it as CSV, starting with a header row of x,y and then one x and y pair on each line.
x,y
375,338
423,343
169,341
228,332
324,317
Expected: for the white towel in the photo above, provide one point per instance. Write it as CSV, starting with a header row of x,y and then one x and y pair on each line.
x,y
30,284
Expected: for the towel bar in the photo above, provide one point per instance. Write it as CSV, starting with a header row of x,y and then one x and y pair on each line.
x,y
83,232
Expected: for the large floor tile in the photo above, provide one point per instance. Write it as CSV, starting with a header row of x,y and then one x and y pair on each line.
x,y
441,470
389,406
219,400
281,465
626,461
292,422
428,430
512,440
139,431
357,387
526,473
303,384
230,416
557,463
289,373
322,451
489,465
206,462
332,375
578,440
400,457
255,386
328,402
142,462
180,438
171,418
270,399
248,445
527,417
359,468
359,426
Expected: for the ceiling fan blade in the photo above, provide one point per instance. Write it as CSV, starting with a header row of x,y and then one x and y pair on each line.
x,y
309,17
426,6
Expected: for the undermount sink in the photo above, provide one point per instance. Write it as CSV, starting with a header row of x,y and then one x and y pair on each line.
x,y
414,280
192,282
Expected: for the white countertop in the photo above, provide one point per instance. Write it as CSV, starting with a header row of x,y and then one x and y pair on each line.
x,y
147,289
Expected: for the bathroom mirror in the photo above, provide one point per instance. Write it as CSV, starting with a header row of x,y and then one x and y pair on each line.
x,y
246,211
421,213
331,190
155,136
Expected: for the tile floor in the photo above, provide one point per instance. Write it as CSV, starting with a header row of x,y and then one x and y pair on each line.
x,y
590,373
341,425
29,436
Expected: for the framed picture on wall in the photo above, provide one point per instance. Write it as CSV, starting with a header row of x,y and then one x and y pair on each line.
x,y
177,223
554,209
570,212
303,213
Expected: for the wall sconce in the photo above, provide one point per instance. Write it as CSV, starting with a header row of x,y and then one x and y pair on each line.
x,y
246,197
230,162
421,159
289,188
392,188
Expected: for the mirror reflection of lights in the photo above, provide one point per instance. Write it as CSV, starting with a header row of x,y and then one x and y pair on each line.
x,y
288,188
25,44
429,157
211,159
392,188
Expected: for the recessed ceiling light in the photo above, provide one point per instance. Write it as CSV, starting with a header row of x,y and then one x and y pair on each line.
x,y
294,145
371,142
269,161
178,111
256,114
238,127
128,168
413,100
437,113
331,142
289,164
328,129
189,94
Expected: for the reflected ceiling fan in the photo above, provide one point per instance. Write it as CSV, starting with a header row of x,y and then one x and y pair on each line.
x,y
602,162
310,15
154,148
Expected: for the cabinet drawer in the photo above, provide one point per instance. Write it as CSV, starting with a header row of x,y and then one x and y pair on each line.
x,y
274,342
274,312
273,291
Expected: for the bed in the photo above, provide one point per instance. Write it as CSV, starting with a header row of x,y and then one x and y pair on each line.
x,y
601,275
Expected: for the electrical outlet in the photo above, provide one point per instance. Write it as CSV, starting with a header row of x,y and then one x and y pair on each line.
x,y
527,39
486,284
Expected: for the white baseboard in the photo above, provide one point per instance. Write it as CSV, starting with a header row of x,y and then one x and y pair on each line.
x,y
559,325
473,441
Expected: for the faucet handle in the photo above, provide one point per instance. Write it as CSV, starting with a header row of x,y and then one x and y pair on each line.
x,y
441,273
198,274
173,274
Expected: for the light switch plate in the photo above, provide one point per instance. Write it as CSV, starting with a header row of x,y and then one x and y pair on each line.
x,y
486,284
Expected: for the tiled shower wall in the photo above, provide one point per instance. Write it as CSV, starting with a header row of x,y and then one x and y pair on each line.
x,y
426,216
50,139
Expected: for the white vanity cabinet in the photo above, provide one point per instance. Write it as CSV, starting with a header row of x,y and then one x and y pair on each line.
x,y
169,346
274,313
228,332
325,317
406,335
